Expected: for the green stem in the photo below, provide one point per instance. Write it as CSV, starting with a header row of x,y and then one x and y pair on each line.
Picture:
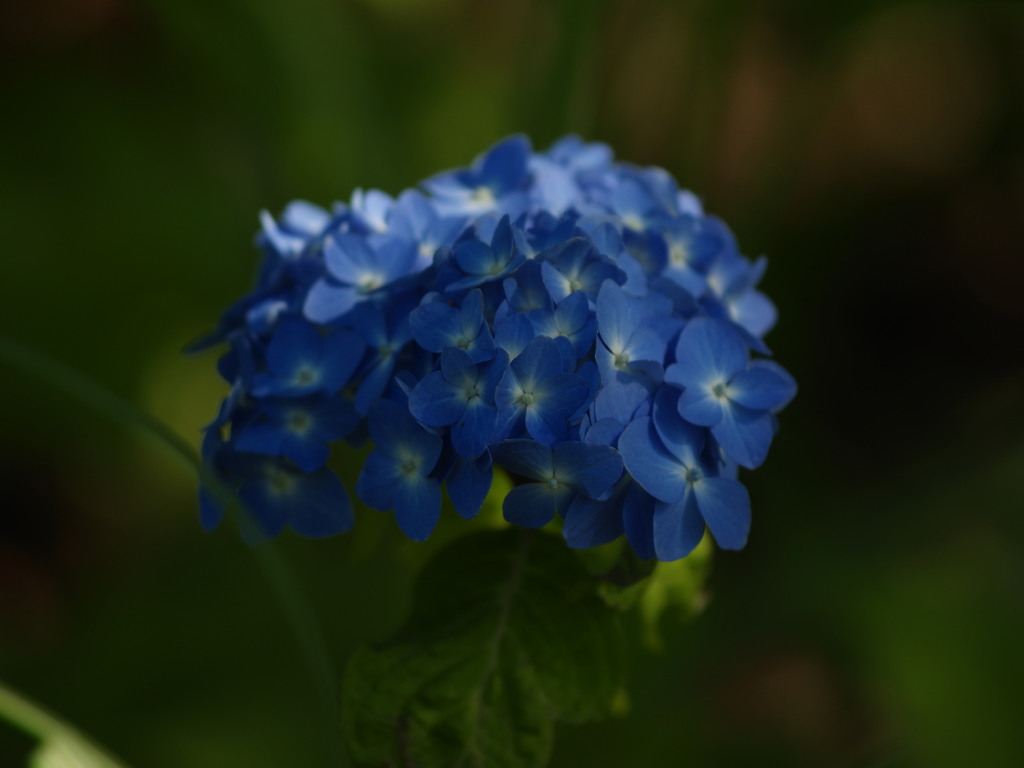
x,y
50,730
293,602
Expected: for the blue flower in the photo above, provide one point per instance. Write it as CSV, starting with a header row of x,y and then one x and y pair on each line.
x,y
301,360
299,429
664,455
556,315
492,180
560,474
482,263
357,268
397,474
721,390
460,395
437,326
534,390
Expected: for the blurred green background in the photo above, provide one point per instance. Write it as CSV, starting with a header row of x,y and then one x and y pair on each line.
x,y
874,151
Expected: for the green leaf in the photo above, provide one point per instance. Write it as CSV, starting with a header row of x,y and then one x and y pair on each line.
x,y
506,636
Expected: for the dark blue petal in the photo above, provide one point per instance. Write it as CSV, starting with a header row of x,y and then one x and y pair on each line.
x,y
524,457
435,326
471,434
417,501
468,485
504,168
475,258
376,483
725,505
395,433
436,402
342,351
638,521
591,523
590,467
458,368
534,505
321,507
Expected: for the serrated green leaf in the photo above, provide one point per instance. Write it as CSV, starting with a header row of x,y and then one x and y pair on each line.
x,y
506,636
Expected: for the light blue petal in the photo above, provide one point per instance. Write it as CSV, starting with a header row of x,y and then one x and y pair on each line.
x,y
763,387
350,258
745,435
699,406
684,441
725,505
327,301
617,316
709,350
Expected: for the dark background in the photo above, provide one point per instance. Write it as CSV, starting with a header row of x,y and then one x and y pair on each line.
x,y
874,151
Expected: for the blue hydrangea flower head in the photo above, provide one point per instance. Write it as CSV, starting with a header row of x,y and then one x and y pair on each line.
x,y
577,323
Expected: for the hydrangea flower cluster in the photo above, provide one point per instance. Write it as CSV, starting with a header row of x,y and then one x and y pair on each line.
x,y
578,322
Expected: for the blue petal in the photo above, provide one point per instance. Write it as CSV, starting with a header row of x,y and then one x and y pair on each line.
x,y
458,368
475,258
468,485
435,326
263,438
591,523
417,501
678,528
650,463
617,316
436,402
745,435
725,505
322,507
534,505
295,342
350,258
638,521
524,457
513,334
682,440
376,483
762,387
504,167
709,350
395,433
342,351
590,467
471,434
328,301
539,360
699,406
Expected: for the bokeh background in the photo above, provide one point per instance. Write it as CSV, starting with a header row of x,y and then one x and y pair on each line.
x,y
873,150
